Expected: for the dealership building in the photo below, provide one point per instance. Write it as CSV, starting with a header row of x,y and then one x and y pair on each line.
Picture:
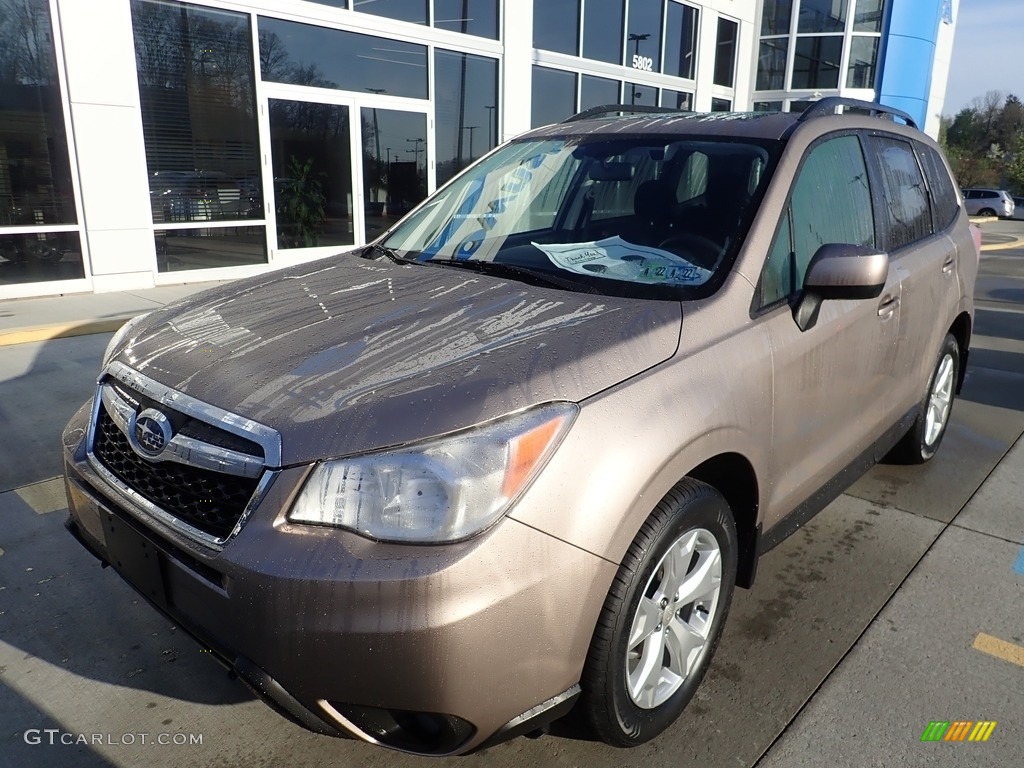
x,y
152,142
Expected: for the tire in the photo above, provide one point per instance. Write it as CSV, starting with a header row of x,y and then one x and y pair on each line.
x,y
632,687
987,212
925,436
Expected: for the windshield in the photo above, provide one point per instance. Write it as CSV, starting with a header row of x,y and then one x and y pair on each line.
x,y
644,216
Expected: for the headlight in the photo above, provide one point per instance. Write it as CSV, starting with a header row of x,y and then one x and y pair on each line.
x,y
120,335
438,491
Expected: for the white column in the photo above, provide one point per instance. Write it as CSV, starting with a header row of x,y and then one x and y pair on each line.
x,y
106,122
517,74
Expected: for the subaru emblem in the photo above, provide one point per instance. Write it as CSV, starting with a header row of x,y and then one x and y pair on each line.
x,y
150,433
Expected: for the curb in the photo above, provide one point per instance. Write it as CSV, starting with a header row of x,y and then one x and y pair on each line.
x,y
62,330
1015,243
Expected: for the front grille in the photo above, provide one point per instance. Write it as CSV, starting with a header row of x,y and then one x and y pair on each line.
x,y
208,501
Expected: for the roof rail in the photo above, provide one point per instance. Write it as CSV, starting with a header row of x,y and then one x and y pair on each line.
x,y
827,106
625,109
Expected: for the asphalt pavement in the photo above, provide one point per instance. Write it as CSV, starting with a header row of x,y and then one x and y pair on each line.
x,y
897,607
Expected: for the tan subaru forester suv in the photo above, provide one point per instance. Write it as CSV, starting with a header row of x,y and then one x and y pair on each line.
x,y
512,458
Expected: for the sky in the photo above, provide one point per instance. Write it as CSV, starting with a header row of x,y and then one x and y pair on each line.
x,y
987,44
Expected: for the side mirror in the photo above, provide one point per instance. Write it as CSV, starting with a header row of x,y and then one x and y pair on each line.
x,y
839,271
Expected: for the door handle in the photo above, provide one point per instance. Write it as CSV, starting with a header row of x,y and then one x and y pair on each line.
x,y
947,267
888,306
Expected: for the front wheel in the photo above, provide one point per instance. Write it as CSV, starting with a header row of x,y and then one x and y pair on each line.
x,y
662,618
925,436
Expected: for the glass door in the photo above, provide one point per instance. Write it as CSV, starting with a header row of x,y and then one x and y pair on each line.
x,y
342,167
395,165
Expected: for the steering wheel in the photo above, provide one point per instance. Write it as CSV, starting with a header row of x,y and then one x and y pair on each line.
x,y
696,249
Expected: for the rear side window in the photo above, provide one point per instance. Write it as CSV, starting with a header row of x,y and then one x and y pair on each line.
x,y
945,205
830,203
904,195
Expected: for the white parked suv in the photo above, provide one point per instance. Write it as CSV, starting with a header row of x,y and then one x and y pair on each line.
x,y
988,202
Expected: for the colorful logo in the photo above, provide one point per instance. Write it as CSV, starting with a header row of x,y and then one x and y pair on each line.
x,y
958,730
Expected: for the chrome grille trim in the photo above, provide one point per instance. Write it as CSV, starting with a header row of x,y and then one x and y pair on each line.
x,y
122,413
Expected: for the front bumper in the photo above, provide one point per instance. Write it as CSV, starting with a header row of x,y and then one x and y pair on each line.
x,y
348,636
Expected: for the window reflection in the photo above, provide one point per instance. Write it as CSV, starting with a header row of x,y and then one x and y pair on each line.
x,y
642,94
466,107
681,27
556,26
863,57
677,100
197,92
868,16
725,52
208,247
554,96
35,168
816,64
300,54
30,258
394,165
771,64
471,17
597,91
403,10
312,156
822,16
643,34
775,17
602,31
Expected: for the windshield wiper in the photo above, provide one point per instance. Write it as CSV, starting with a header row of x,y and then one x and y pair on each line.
x,y
383,250
535,276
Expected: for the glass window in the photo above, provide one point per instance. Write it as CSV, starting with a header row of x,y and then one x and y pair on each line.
x,y
209,247
863,57
725,52
301,54
197,92
775,16
822,16
908,215
35,167
799,106
403,10
721,105
767,106
556,26
602,30
681,26
598,91
868,16
946,206
393,181
677,100
642,94
31,258
643,35
554,96
471,17
833,178
466,107
311,150
35,172
816,64
771,64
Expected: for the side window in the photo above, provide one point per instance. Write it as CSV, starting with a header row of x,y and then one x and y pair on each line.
x,y
908,214
945,205
830,203
694,178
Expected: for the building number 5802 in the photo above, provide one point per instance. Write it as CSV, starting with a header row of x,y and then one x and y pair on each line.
x,y
646,63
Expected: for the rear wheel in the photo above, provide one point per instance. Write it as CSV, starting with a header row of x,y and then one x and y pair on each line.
x,y
925,436
986,212
662,618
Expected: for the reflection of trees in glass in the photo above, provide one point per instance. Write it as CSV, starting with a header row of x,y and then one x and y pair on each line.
x,y
26,56
276,65
35,173
301,209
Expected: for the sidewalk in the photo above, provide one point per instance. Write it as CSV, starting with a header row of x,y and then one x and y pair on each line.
x,y
54,317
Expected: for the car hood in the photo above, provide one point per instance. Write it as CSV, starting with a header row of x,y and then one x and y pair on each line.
x,y
347,355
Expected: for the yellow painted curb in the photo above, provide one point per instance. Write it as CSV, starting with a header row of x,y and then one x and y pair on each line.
x,y
62,330
1018,243
1001,649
